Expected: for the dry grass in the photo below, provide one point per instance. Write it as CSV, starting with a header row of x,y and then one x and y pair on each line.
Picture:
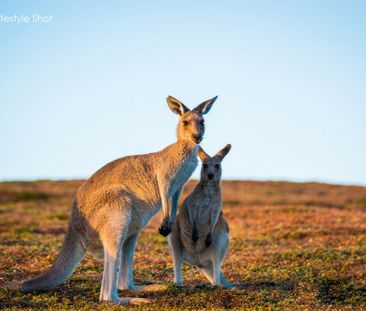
x,y
293,246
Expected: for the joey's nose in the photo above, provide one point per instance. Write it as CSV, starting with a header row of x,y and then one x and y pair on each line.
x,y
197,138
210,176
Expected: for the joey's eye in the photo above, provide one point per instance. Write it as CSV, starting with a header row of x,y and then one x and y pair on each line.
x,y
204,166
217,166
185,123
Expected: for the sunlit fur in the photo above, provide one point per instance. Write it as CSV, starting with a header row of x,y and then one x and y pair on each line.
x,y
117,202
200,234
191,127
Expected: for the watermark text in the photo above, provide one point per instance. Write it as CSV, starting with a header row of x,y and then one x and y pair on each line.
x,y
26,19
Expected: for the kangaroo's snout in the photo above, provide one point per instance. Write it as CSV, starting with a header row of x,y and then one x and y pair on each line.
x,y
197,138
210,176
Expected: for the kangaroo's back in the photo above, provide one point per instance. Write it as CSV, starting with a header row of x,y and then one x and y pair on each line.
x,y
137,174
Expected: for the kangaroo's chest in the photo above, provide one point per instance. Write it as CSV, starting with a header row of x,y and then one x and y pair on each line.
x,y
182,174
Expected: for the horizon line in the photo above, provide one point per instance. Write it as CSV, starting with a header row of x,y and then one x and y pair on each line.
x,y
248,178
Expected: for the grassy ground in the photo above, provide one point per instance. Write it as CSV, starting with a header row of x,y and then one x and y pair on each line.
x,y
293,246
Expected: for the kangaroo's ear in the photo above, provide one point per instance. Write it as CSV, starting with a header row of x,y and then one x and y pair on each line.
x,y
223,152
202,154
176,106
205,106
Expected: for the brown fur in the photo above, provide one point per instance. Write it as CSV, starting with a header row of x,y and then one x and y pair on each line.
x,y
118,201
201,234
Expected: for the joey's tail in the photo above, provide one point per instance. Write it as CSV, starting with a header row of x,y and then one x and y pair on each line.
x,y
72,252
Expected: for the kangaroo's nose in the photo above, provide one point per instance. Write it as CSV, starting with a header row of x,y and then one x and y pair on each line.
x,y
197,138
210,176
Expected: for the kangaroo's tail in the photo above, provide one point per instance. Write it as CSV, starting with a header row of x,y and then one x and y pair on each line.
x,y
72,252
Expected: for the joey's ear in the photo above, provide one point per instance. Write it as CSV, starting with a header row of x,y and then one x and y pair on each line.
x,y
223,152
202,154
205,106
176,106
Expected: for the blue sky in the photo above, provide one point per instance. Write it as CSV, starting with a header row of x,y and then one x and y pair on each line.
x,y
91,85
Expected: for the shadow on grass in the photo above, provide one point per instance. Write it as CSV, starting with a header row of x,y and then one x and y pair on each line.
x,y
284,285
72,292
80,292
269,285
85,291
341,291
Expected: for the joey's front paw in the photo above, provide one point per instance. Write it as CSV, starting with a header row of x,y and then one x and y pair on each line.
x,y
166,227
208,240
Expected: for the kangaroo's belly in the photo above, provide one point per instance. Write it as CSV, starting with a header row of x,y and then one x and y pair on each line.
x,y
199,260
197,253
141,216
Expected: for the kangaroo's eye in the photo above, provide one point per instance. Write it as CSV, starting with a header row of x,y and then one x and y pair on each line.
x,y
217,166
204,166
185,123
202,122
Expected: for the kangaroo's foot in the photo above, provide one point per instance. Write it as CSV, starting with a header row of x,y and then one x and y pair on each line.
x,y
131,287
145,288
228,284
151,288
128,286
126,301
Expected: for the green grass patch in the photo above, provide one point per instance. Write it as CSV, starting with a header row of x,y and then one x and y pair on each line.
x,y
61,217
30,196
322,254
341,291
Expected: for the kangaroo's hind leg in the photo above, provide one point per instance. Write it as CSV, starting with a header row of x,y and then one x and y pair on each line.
x,y
125,274
225,282
177,252
213,269
112,234
208,272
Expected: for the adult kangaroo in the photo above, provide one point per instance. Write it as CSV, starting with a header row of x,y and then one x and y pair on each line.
x,y
118,201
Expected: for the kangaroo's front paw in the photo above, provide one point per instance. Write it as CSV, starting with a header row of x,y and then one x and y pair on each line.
x,y
194,235
208,240
166,227
164,230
